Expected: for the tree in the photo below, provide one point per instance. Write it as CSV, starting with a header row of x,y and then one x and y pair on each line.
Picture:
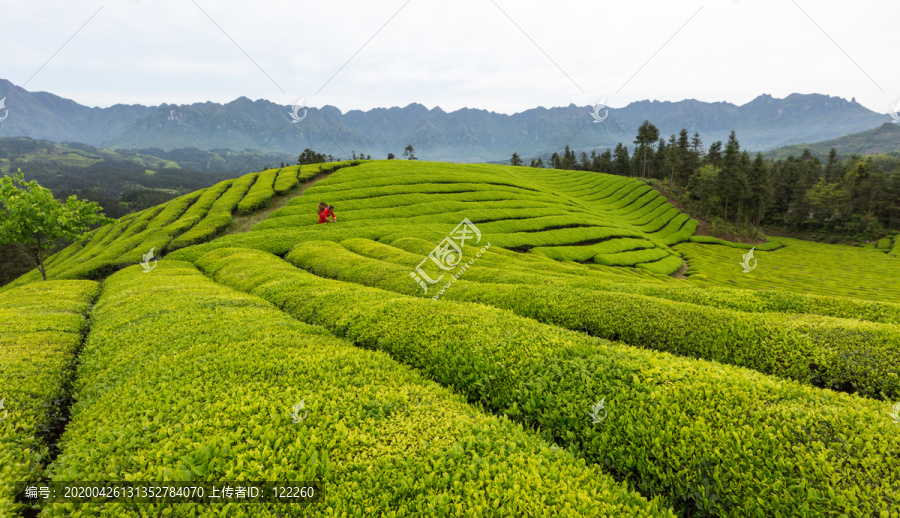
x,y
391,156
555,161
311,157
34,219
515,160
568,159
760,186
733,179
409,153
621,164
537,163
603,162
831,167
705,187
647,135
714,154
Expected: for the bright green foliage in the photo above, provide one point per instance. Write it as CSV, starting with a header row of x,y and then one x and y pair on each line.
x,y
800,266
260,194
193,218
165,391
714,439
204,203
836,353
41,328
573,216
769,245
31,216
287,179
219,216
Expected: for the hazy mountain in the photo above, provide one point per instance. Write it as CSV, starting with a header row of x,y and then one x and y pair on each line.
x,y
884,139
465,135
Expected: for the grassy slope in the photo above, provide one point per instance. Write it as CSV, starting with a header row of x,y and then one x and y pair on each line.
x,y
564,215
193,218
800,266
41,328
555,215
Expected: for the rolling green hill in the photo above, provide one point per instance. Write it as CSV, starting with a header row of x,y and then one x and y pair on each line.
x,y
884,139
464,338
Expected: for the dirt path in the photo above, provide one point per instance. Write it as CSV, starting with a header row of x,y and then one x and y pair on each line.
x,y
680,274
245,223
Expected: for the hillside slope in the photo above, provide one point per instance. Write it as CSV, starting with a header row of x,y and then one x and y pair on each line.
x,y
544,314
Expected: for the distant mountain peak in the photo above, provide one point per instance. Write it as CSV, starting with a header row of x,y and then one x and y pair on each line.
x,y
465,134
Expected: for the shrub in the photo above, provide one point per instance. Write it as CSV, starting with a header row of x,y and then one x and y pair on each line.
x,y
834,353
42,327
713,439
260,194
166,392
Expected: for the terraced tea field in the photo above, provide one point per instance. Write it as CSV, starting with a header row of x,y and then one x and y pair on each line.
x,y
466,340
800,266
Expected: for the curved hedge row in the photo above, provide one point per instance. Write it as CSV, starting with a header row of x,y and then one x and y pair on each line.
x,y
198,210
841,354
800,266
41,328
767,246
219,216
287,179
259,195
166,392
714,439
506,267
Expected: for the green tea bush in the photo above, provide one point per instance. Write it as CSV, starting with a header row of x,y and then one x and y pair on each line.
x,y
173,210
41,329
219,216
166,392
802,267
767,246
713,439
287,179
841,354
260,194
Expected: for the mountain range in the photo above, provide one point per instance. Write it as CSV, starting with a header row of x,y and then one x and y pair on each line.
x,y
465,135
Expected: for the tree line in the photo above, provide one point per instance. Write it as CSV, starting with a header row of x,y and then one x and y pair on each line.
x,y
723,183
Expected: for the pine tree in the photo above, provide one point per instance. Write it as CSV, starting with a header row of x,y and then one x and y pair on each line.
x,y
733,178
647,135
760,186
622,163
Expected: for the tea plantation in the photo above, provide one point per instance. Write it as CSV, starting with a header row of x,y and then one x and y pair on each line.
x,y
465,340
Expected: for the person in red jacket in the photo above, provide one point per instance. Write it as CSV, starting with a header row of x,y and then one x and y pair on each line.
x,y
325,213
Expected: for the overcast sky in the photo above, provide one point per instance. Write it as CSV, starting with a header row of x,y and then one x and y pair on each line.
x,y
502,55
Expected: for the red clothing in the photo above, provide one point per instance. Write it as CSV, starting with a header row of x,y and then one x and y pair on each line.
x,y
323,216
